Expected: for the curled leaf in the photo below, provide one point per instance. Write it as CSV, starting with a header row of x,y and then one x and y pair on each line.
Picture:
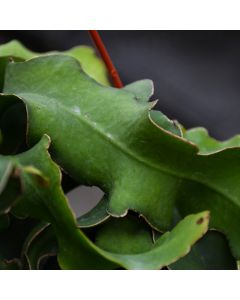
x,y
40,244
95,216
112,141
167,249
208,145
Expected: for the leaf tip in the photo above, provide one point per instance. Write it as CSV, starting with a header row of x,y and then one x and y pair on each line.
x,y
203,219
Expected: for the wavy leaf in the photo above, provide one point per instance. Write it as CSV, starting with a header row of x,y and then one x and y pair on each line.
x,y
76,251
86,55
165,123
40,244
90,63
95,216
121,130
142,89
49,204
129,235
207,144
168,248
112,142
12,174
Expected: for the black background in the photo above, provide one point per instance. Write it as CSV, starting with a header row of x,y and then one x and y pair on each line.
x,y
196,73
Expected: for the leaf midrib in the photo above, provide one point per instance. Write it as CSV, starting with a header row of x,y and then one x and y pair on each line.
x,y
121,147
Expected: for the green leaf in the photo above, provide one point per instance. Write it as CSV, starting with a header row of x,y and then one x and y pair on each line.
x,y
111,141
207,144
12,174
128,143
91,64
162,121
126,240
10,184
15,49
40,244
142,89
209,253
128,235
10,50
49,204
95,216
75,250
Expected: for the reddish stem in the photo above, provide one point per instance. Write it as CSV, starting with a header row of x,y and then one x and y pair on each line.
x,y
106,58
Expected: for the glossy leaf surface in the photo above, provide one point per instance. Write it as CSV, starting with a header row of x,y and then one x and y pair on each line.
x,y
112,142
169,247
120,129
76,251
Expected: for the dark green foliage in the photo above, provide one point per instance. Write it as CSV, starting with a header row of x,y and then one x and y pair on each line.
x,y
59,114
